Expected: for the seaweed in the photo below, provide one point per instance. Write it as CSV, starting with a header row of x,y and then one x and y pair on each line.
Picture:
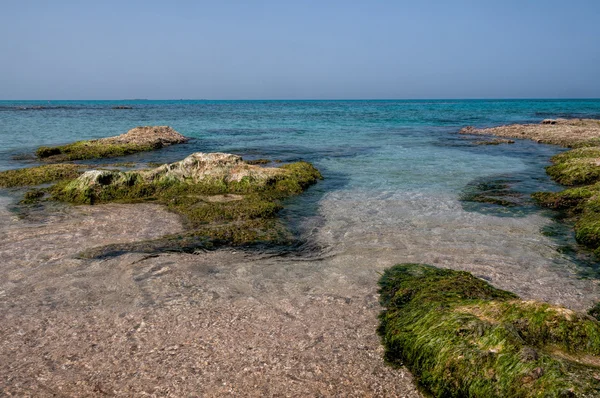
x,y
217,209
31,176
461,337
82,150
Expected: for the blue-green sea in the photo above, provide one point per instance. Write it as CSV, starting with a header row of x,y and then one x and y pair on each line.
x,y
394,170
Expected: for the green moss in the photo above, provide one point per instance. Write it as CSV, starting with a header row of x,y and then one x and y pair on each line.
x,y
258,161
33,196
587,229
222,211
580,168
575,171
576,167
568,199
581,153
32,176
91,150
462,337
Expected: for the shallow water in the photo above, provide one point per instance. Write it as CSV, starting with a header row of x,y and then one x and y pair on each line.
x,y
394,171
296,322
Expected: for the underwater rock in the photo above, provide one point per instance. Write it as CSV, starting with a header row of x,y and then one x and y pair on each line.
x,y
139,139
461,337
122,107
496,141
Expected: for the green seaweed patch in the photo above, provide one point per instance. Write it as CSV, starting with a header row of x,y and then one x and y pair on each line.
x,y
571,198
258,161
580,153
582,206
461,337
32,176
93,149
576,171
492,191
224,211
33,196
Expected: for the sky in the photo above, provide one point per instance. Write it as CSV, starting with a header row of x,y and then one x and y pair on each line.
x,y
303,49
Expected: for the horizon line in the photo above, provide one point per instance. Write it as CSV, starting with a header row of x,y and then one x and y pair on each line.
x,y
320,99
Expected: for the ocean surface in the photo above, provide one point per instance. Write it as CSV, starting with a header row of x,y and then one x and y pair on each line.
x,y
395,171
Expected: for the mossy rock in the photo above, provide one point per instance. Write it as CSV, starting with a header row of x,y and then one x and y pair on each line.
x,y
32,176
82,150
576,171
220,197
579,168
461,337
139,139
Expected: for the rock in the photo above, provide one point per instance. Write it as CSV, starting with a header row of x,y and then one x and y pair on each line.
x,y
495,141
122,107
138,139
147,135
564,132
223,166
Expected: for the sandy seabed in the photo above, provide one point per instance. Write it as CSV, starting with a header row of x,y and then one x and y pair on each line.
x,y
237,323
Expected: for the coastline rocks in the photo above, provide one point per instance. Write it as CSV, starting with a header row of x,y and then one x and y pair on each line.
x,y
138,139
568,133
461,337
578,168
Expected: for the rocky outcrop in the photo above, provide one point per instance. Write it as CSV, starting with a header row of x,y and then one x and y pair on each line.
x,y
221,198
568,133
138,139
199,166
147,135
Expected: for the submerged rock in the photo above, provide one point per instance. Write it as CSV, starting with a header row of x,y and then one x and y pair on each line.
x,y
496,141
138,139
462,337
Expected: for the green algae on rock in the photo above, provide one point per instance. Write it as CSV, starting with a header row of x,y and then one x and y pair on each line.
x,y
495,141
139,139
31,176
580,169
461,337
219,195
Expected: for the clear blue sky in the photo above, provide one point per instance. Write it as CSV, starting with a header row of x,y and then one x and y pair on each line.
x,y
278,49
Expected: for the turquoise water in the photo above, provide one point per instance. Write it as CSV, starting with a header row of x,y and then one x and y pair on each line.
x,y
394,170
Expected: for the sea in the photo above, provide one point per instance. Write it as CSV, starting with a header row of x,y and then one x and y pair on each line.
x,y
396,173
